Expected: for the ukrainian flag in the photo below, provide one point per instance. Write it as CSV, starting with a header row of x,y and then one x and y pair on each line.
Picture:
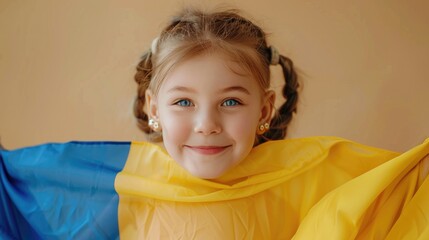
x,y
309,188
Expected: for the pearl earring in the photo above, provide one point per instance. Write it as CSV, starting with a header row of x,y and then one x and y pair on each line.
x,y
153,124
264,127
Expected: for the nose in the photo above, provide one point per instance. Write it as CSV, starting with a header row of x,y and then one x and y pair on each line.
x,y
207,122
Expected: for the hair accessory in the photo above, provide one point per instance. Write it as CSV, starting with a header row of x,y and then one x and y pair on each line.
x,y
153,124
154,45
275,56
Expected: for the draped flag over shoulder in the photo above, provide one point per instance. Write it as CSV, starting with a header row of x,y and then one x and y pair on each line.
x,y
309,188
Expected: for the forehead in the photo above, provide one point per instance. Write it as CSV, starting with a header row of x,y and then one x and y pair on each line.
x,y
209,72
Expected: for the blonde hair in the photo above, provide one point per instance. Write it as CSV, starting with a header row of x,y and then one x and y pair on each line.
x,y
194,32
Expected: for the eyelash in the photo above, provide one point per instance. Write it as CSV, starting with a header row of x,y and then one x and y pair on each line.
x,y
236,102
180,103
190,104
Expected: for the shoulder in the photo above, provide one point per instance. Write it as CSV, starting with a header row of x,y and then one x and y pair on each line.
x,y
322,150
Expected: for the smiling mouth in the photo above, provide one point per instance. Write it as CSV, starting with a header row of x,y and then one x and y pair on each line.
x,y
208,150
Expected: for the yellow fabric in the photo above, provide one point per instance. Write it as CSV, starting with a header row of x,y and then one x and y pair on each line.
x,y
311,188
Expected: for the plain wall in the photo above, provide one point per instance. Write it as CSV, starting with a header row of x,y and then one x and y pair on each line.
x,y
66,67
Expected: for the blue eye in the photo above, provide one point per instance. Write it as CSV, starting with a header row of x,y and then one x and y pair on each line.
x,y
184,103
230,102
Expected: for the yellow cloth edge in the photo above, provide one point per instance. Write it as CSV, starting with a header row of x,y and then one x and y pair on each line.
x,y
135,180
339,210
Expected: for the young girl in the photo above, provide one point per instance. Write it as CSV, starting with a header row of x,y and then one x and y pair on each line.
x,y
204,89
206,83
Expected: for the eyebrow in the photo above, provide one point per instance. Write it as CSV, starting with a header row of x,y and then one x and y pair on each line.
x,y
236,88
228,89
181,89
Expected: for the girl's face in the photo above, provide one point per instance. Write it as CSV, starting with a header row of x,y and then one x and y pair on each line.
x,y
208,114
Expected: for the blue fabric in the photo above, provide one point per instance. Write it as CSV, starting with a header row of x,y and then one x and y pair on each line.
x,y
61,191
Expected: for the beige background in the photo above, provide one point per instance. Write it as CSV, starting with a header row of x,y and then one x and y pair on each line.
x,y
66,67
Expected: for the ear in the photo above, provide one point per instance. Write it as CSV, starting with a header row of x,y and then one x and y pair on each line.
x,y
152,105
267,107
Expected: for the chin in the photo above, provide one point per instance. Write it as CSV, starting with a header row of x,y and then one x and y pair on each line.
x,y
206,175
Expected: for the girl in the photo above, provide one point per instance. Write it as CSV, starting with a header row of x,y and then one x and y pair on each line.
x,y
206,82
205,86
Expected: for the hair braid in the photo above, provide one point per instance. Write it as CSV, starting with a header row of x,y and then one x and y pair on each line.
x,y
283,116
143,77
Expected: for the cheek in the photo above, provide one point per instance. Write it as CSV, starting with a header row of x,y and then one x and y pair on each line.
x,y
243,127
175,129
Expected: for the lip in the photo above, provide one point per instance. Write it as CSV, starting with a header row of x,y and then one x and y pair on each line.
x,y
208,150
